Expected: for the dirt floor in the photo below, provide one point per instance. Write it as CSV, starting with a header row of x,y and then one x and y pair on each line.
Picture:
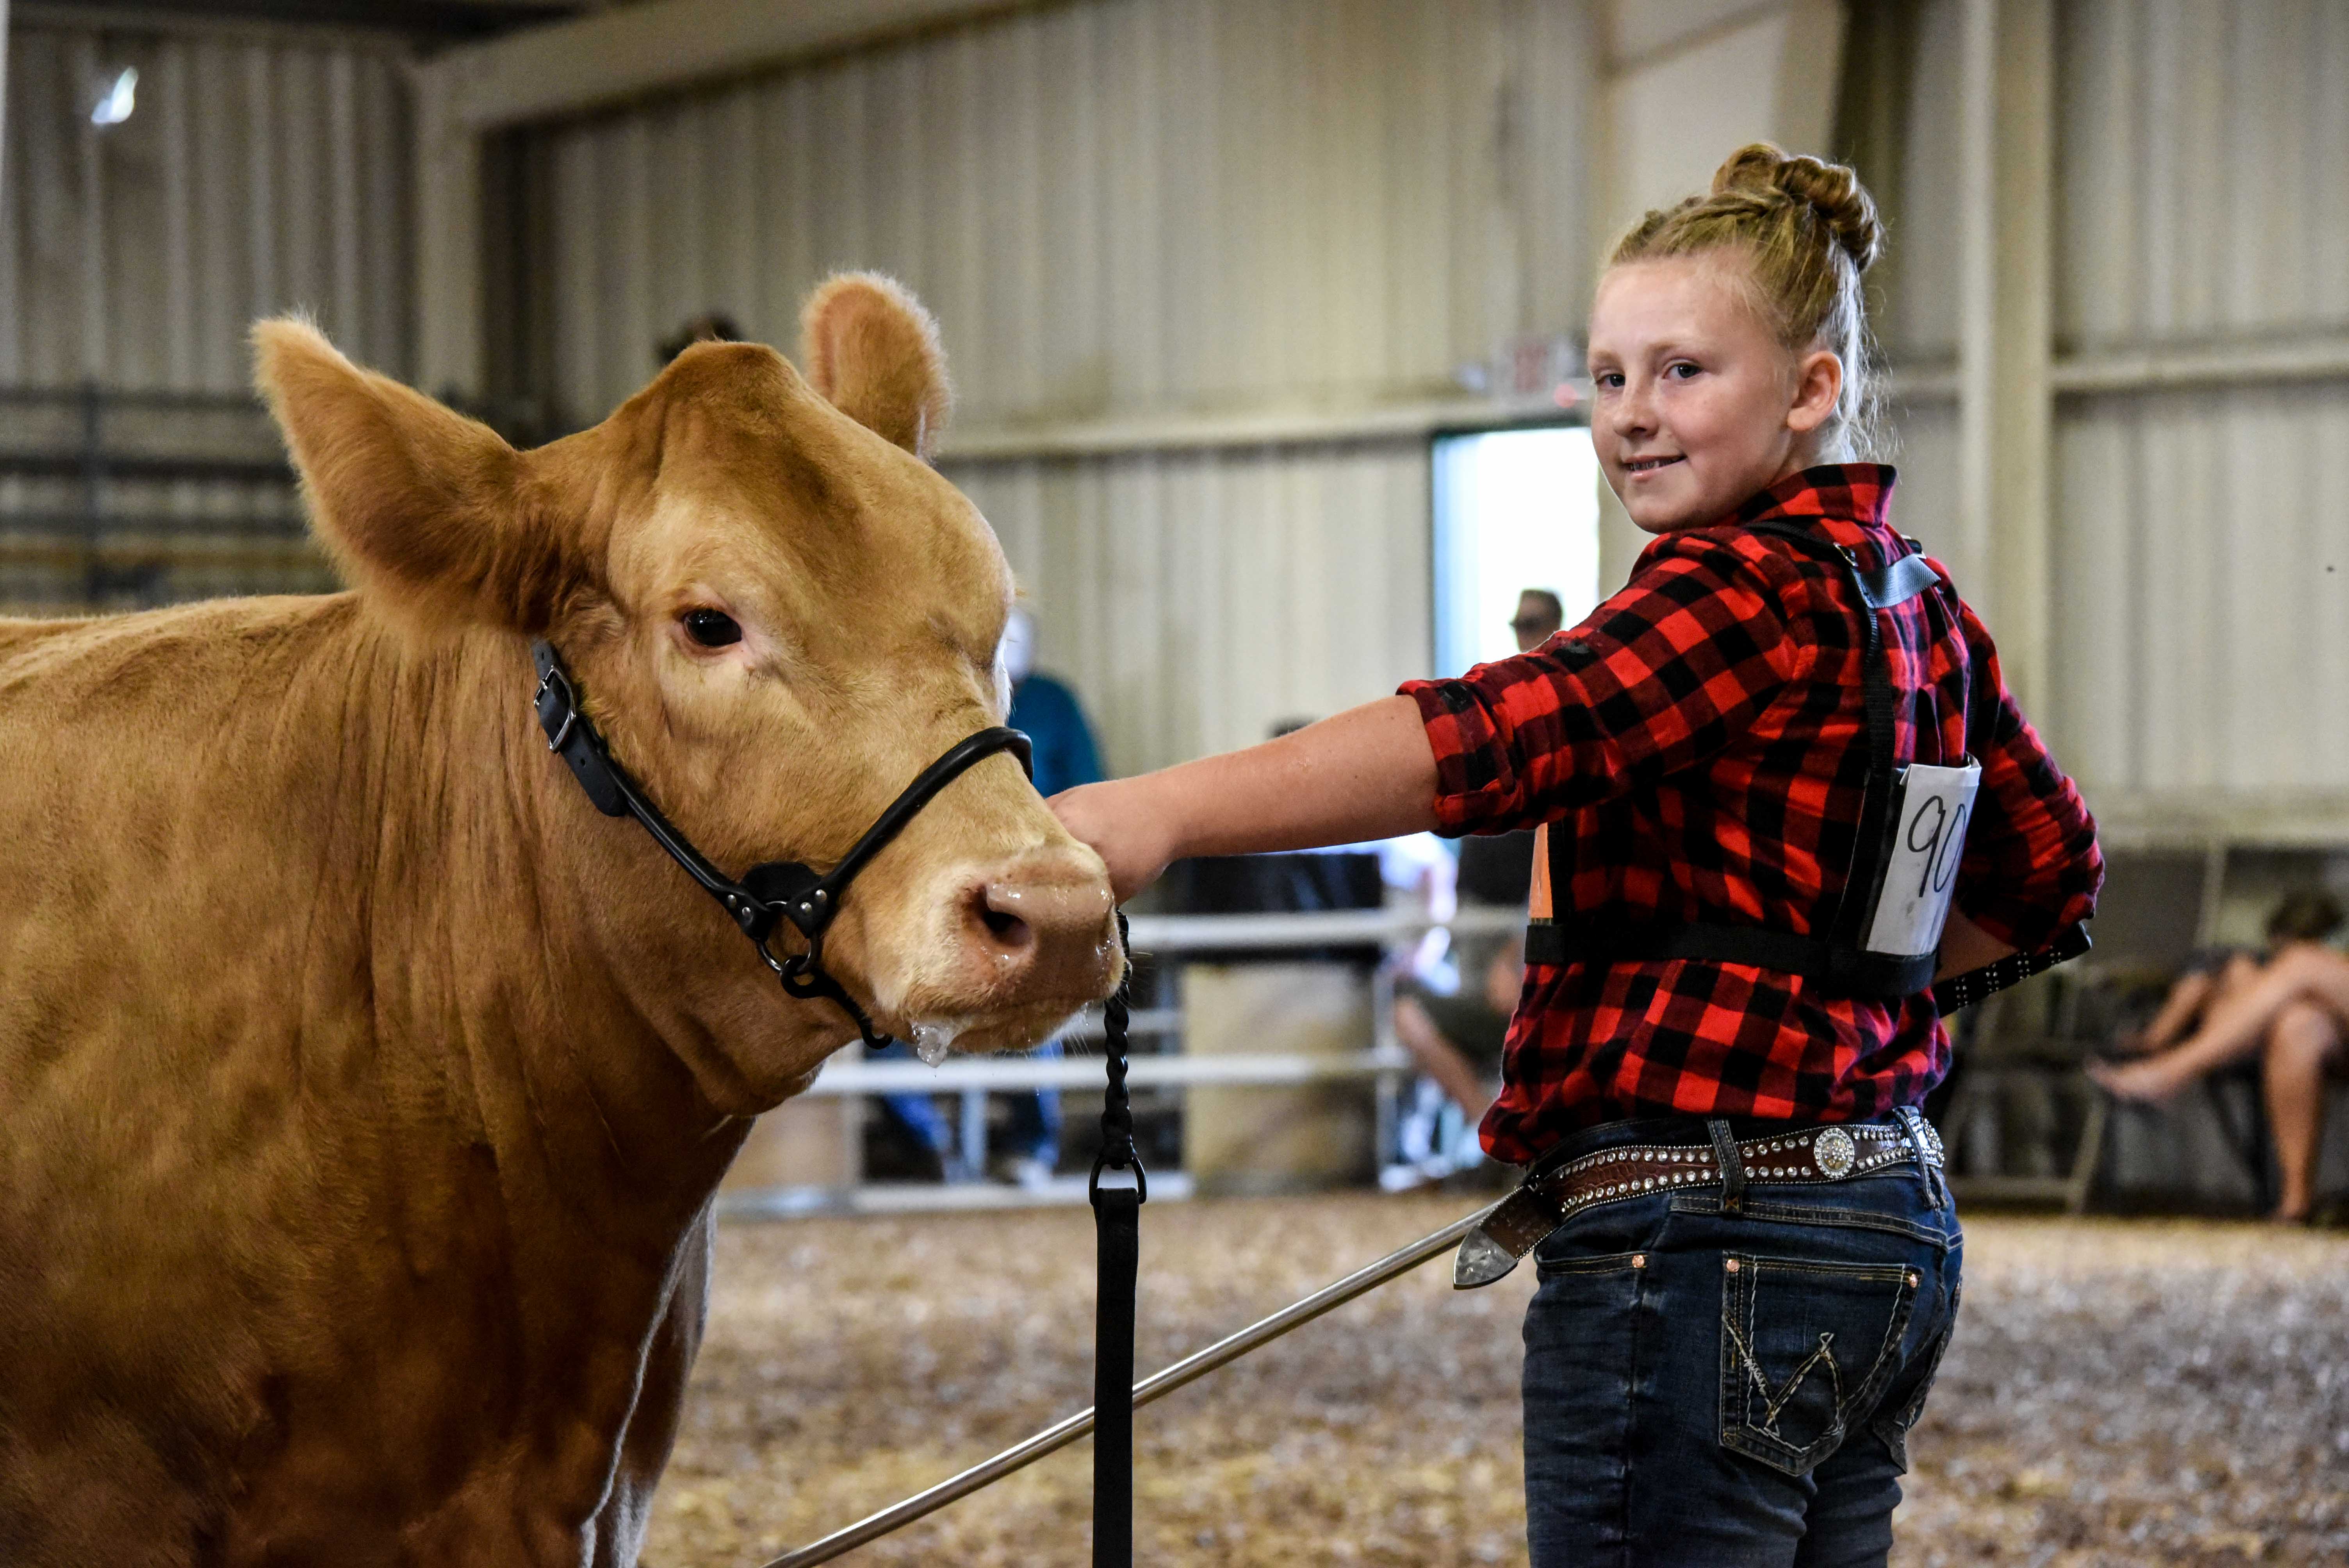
x,y
2119,1393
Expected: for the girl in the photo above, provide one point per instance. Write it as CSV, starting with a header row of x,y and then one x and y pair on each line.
x,y
1713,1066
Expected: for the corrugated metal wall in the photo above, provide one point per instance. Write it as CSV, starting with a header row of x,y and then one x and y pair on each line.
x,y
1137,207
260,171
1203,596
1111,204
2200,201
2203,534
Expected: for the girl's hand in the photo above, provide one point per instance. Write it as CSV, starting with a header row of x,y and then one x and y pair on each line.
x,y
1133,841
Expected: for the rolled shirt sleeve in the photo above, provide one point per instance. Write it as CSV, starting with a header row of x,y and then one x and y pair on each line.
x,y
1658,680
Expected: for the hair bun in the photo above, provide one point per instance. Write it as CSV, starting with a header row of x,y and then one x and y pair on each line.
x,y
1829,189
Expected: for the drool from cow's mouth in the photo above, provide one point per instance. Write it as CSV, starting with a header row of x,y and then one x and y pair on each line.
x,y
934,1039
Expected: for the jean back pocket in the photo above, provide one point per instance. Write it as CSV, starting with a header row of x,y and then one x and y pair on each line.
x,y
1805,1348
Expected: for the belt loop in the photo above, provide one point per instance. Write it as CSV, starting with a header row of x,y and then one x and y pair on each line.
x,y
1732,1166
1914,1124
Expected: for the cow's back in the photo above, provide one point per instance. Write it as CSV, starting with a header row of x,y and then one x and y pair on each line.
x,y
143,760
257,1253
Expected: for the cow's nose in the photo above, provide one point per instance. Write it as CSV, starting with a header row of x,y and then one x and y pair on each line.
x,y
1042,928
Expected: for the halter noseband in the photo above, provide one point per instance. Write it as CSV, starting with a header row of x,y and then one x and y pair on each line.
x,y
775,889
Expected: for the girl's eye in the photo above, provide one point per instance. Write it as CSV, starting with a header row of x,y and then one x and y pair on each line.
x,y
711,628
1682,369
1612,380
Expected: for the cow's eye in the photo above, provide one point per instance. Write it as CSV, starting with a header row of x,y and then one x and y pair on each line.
x,y
711,628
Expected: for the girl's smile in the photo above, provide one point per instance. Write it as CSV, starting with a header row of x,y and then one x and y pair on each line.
x,y
1699,405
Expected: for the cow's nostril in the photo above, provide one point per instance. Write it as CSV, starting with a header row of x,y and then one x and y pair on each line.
x,y
997,912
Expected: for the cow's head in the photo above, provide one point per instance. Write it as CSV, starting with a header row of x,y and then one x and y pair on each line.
x,y
779,611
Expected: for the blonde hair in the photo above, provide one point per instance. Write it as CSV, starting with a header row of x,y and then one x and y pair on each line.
x,y
1808,230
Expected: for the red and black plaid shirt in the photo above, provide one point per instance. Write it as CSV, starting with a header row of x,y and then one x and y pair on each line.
x,y
1703,737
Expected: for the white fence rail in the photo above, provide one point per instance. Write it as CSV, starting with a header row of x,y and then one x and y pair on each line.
x,y
1171,939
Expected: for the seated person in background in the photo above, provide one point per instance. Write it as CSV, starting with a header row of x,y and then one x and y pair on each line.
x,y
1457,1040
2292,1010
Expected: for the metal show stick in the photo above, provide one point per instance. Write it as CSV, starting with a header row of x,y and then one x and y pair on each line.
x,y
1062,1433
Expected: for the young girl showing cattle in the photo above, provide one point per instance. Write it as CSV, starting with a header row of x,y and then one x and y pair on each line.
x,y
1781,786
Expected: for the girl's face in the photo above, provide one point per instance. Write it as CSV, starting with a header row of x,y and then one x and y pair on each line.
x,y
1699,405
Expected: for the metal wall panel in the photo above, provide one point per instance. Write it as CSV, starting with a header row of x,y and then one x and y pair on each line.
x,y
1196,598
1917,313
261,170
2203,535
259,173
1111,205
1136,207
2200,167
2203,586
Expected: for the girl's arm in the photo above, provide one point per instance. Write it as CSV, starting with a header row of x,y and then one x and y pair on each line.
x,y
1367,773
1966,947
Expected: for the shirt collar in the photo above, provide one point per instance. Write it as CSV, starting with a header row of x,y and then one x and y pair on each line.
x,y
1859,493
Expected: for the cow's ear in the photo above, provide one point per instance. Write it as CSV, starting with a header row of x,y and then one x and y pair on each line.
x,y
871,348
422,506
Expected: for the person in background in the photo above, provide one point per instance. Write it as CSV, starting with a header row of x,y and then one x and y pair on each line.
x,y
1456,1038
1049,712
1540,616
710,326
1066,755
2291,1009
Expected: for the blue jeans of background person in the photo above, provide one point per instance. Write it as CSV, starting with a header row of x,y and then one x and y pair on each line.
x,y
1035,1130
917,1114
1733,1391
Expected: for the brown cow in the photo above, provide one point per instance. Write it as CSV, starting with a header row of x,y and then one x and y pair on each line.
x,y
362,1089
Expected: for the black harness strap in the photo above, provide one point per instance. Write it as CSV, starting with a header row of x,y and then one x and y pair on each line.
x,y
1117,1231
774,890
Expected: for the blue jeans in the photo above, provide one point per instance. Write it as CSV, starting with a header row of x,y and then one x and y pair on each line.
x,y
1733,1391
1035,1130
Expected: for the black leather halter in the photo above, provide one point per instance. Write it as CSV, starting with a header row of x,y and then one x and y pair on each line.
x,y
775,889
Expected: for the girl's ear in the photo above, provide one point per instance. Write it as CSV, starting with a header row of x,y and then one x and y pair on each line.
x,y
1818,387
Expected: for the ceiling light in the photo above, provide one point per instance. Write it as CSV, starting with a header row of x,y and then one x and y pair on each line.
x,y
115,104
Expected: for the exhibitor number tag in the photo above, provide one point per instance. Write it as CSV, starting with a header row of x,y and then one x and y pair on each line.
x,y
1921,877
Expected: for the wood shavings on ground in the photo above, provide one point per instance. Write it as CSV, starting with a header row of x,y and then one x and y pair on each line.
x,y
2119,1393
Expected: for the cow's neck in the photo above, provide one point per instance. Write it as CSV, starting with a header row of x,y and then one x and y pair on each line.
x,y
606,1008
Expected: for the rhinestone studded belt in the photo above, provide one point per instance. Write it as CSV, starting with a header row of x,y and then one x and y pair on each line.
x,y
1806,1156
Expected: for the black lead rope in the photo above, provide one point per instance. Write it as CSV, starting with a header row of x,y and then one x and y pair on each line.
x,y
1117,1231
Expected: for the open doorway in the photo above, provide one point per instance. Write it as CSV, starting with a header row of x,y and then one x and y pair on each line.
x,y
1514,510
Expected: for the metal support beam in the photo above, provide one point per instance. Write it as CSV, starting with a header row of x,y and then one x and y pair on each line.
x,y
2005,390
4,95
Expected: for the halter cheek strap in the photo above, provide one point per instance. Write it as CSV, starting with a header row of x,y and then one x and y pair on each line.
x,y
772,891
